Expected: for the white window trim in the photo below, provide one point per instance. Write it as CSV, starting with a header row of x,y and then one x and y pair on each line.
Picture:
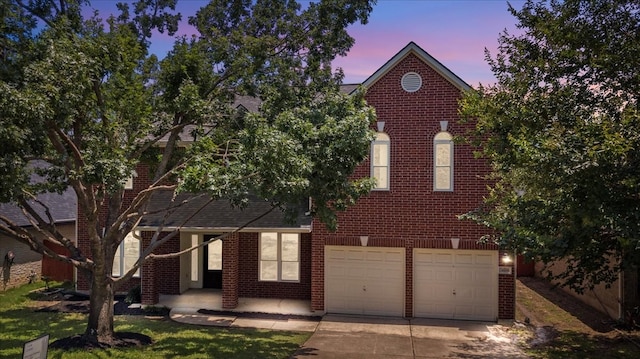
x,y
386,140
279,259
120,252
439,139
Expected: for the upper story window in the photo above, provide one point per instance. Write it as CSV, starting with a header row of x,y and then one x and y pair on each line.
x,y
279,257
380,161
443,162
126,255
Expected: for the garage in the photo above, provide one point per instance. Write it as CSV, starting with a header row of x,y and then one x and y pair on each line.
x,y
364,280
455,284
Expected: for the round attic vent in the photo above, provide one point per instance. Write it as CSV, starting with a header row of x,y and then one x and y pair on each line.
x,y
411,82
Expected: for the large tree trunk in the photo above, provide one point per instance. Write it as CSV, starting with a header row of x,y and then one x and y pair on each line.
x,y
100,325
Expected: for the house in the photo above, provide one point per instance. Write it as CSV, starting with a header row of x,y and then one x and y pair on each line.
x,y
400,251
25,264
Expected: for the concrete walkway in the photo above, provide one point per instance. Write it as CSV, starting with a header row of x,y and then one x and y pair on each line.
x,y
204,307
377,338
346,336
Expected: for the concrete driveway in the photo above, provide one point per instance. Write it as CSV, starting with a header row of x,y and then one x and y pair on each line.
x,y
355,337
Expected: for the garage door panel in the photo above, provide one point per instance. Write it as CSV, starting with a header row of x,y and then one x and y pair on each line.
x,y
371,281
443,258
471,275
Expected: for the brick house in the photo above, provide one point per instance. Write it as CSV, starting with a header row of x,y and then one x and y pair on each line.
x,y
400,251
27,264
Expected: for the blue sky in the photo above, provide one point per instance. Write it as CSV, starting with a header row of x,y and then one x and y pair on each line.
x,y
455,32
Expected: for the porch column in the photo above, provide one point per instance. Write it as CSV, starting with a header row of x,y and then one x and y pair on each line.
x,y
149,290
317,274
230,252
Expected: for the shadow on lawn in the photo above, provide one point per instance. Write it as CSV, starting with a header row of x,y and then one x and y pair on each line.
x,y
594,319
227,343
22,325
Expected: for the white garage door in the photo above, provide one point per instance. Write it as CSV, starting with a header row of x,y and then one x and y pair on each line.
x,y
364,280
455,284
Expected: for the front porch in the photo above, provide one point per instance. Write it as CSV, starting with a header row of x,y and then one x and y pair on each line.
x,y
211,299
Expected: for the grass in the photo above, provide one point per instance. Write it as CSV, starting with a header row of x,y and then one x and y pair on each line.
x,y
573,331
20,323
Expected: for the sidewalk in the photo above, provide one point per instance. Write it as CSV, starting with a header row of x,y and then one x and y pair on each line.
x,y
204,307
245,320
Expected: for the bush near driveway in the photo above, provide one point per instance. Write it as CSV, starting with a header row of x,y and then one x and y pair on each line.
x,y
19,322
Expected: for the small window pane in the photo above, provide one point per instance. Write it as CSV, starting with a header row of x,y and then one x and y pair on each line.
x,y
131,247
381,174
194,258
290,247
269,270
214,251
269,246
380,154
290,271
443,154
116,263
443,178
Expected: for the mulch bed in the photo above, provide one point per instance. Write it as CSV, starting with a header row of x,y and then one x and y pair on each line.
x,y
76,303
58,301
121,340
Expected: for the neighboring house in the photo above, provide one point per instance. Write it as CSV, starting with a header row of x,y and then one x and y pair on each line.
x,y
400,251
619,300
29,265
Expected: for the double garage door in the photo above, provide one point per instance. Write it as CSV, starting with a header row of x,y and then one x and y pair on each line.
x,y
452,284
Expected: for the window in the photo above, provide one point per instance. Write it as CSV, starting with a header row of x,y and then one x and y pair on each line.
x,y
128,184
126,255
280,257
194,258
443,162
380,164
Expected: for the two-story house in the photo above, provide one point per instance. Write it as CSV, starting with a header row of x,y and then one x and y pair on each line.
x,y
400,251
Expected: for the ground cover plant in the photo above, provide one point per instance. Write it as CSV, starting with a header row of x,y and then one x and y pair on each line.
x,y
20,321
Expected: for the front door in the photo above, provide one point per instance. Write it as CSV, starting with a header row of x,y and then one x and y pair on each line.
x,y
212,264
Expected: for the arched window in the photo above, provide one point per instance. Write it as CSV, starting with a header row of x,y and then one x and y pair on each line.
x,y
380,161
443,162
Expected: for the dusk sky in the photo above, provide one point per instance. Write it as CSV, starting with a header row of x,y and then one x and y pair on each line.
x,y
455,32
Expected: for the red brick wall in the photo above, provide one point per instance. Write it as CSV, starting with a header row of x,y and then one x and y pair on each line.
x,y
411,214
230,271
250,286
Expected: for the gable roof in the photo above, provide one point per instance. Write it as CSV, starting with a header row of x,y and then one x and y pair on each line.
x,y
436,65
62,208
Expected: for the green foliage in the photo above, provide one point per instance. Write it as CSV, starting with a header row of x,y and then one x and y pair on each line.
x,y
83,103
21,323
134,295
562,130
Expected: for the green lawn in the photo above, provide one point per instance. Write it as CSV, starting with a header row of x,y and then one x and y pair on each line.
x,y
19,323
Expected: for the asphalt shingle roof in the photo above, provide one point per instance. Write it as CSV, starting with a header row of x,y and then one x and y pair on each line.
x,y
219,214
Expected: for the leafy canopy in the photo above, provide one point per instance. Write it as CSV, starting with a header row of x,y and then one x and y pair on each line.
x,y
562,130
83,104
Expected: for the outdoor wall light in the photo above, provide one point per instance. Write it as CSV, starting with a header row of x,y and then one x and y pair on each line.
x,y
364,240
9,258
506,258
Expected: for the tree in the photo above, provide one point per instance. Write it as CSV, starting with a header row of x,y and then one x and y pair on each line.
x,y
562,130
86,103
